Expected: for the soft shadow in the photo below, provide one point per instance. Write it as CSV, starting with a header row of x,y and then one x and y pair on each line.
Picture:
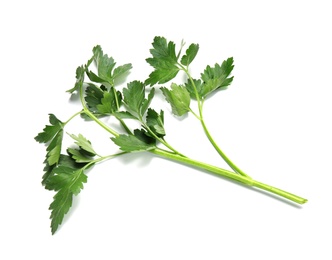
x,y
74,97
141,159
180,118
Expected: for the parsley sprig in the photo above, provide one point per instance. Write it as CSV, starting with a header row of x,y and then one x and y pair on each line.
x,y
101,96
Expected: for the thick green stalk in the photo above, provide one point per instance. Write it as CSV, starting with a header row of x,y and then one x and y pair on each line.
x,y
230,175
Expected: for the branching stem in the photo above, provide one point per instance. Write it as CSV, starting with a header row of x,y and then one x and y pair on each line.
x,y
209,136
73,116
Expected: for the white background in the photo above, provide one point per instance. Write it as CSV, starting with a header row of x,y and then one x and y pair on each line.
x,y
273,122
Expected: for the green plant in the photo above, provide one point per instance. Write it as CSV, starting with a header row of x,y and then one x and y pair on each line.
x,y
65,172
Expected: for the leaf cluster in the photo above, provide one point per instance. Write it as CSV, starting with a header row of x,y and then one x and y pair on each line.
x,y
64,173
167,64
102,99
137,107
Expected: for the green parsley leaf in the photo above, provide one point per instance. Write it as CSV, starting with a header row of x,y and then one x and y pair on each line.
x,y
105,66
48,172
144,136
162,75
67,161
121,71
50,130
79,79
53,135
54,148
178,97
146,102
155,122
217,77
190,55
64,160
68,182
134,97
109,103
67,177
162,51
93,96
164,60
83,143
191,89
94,77
80,155
62,202
131,143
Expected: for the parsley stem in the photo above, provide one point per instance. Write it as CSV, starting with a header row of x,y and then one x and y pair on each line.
x,y
205,166
230,175
102,124
209,136
194,114
199,101
118,108
124,125
220,152
116,98
74,115
102,158
161,140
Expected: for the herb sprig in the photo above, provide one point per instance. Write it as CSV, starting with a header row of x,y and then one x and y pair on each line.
x,y
65,172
